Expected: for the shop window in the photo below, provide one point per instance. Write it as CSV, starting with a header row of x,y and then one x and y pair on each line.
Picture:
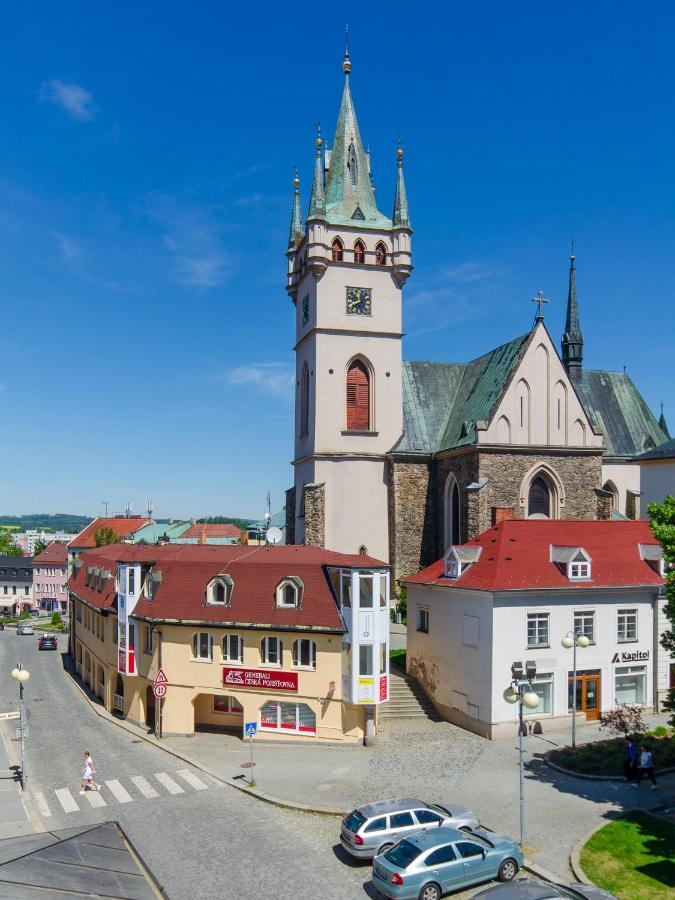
x,y
295,717
233,648
537,630
627,625
630,684
304,653
272,651
219,591
202,646
423,620
227,705
542,686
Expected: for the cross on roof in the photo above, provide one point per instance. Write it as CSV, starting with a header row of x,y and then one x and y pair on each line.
x,y
540,299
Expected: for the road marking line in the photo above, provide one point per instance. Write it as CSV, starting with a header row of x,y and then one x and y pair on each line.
x,y
119,793
168,782
144,786
95,798
66,800
192,780
42,805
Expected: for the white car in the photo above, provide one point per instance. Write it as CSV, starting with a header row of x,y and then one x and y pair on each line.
x,y
24,628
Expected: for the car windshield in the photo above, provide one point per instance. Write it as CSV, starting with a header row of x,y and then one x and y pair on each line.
x,y
475,836
354,821
402,854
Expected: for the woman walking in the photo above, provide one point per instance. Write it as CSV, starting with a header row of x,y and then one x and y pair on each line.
x,y
646,767
88,772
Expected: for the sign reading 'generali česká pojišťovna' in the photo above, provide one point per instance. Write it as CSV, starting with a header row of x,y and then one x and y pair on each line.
x,y
266,679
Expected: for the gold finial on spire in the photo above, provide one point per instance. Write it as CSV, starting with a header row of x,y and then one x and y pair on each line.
x,y
319,140
296,180
399,152
347,64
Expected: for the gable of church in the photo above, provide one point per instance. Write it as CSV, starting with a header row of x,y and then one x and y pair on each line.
x,y
540,406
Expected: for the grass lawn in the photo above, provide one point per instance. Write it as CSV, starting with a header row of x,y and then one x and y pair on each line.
x,y
398,658
632,857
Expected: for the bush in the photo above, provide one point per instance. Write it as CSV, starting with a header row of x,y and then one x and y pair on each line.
x,y
659,731
56,618
24,615
624,721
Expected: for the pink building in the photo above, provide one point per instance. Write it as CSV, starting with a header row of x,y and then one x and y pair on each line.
x,y
50,574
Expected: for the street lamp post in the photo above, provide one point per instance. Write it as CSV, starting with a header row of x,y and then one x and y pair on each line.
x,y
520,692
21,675
574,639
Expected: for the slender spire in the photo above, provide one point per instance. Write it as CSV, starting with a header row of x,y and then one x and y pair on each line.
x,y
572,340
295,235
663,425
400,217
317,200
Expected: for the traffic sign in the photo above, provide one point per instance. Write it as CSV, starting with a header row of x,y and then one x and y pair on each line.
x,y
250,728
9,715
159,690
161,678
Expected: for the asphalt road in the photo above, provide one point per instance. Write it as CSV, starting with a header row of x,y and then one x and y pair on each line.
x,y
198,837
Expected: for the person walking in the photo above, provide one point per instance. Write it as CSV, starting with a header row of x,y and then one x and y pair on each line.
x,y
88,772
646,767
630,764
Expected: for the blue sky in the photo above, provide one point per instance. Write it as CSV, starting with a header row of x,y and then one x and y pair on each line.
x,y
145,183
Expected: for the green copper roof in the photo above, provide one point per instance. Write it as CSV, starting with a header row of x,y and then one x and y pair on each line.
x,y
663,451
612,402
295,235
400,218
350,198
153,531
572,339
317,202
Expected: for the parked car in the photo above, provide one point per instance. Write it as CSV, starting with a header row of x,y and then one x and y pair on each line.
x,y
2,626
534,889
373,828
48,642
24,628
430,863
35,613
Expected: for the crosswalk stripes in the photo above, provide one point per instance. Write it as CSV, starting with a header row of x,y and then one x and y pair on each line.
x,y
94,797
66,800
191,779
168,782
144,786
118,791
42,805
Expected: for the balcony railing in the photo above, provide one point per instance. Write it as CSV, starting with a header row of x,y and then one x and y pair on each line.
x,y
118,703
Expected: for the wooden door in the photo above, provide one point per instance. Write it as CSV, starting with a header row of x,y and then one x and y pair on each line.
x,y
587,694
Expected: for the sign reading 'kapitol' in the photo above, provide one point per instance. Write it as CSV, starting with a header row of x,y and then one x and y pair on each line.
x,y
633,656
267,679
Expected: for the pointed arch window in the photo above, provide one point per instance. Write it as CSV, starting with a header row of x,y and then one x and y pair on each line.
x,y
353,165
338,248
452,511
358,397
304,401
359,252
539,499
380,255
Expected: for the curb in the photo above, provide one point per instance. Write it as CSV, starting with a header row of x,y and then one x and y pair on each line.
x,y
553,765
575,855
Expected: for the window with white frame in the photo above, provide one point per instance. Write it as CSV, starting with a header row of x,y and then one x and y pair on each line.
x,y
289,593
219,590
579,567
537,630
542,686
227,705
297,717
304,653
233,648
365,659
272,651
423,619
626,625
202,646
584,623
131,580
630,684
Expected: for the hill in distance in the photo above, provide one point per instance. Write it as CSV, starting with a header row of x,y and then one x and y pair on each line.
x,y
74,524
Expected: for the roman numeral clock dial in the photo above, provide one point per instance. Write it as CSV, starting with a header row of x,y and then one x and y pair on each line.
x,y
359,301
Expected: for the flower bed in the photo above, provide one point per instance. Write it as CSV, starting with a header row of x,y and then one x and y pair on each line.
x,y
607,757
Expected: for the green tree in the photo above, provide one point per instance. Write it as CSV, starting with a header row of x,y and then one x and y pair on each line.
x,y
105,536
39,545
662,523
7,545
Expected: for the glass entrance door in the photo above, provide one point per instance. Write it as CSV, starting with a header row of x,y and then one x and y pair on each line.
x,y
587,693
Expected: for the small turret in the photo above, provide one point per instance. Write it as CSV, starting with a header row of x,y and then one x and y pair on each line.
x,y
401,232
295,237
317,248
572,339
663,425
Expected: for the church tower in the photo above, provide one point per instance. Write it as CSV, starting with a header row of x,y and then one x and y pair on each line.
x,y
573,339
346,270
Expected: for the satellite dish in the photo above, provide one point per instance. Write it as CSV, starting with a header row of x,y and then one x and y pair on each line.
x,y
274,535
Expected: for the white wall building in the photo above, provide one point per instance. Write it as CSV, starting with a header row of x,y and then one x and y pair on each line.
x,y
513,594
657,475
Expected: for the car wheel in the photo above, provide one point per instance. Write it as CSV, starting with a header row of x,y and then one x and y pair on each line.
x,y
383,849
430,892
508,870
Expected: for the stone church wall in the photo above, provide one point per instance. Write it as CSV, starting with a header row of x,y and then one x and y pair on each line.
x,y
315,515
465,469
412,514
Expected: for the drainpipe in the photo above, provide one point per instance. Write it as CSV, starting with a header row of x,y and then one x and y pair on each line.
x,y
655,651
160,702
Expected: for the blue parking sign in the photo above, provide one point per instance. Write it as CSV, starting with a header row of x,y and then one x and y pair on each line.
x,y
250,728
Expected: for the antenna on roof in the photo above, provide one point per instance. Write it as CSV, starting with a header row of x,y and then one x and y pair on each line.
x,y
106,503
150,508
127,508
274,535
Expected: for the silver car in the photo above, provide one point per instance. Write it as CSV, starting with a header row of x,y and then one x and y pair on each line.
x,y
534,889
24,628
372,829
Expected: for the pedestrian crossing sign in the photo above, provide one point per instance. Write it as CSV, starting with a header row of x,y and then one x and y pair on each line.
x,y
250,729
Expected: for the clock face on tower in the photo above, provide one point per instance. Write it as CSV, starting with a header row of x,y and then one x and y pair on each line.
x,y
359,301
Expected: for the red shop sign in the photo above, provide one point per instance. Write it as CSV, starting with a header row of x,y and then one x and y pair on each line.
x,y
383,687
268,679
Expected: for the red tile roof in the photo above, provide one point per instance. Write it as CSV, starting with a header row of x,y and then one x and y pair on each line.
x,y
224,530
55,553
123,526
187,569
516,556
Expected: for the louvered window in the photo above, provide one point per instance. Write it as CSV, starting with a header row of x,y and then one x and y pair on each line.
x,y
358,398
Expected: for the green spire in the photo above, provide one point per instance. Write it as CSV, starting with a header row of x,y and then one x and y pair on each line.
x,y
295,235
349,190
400,217
317,202
663,425
572,340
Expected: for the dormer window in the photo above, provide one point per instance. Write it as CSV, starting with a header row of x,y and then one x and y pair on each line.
x,y
574,561
219,591
653,556
458,559
289,593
